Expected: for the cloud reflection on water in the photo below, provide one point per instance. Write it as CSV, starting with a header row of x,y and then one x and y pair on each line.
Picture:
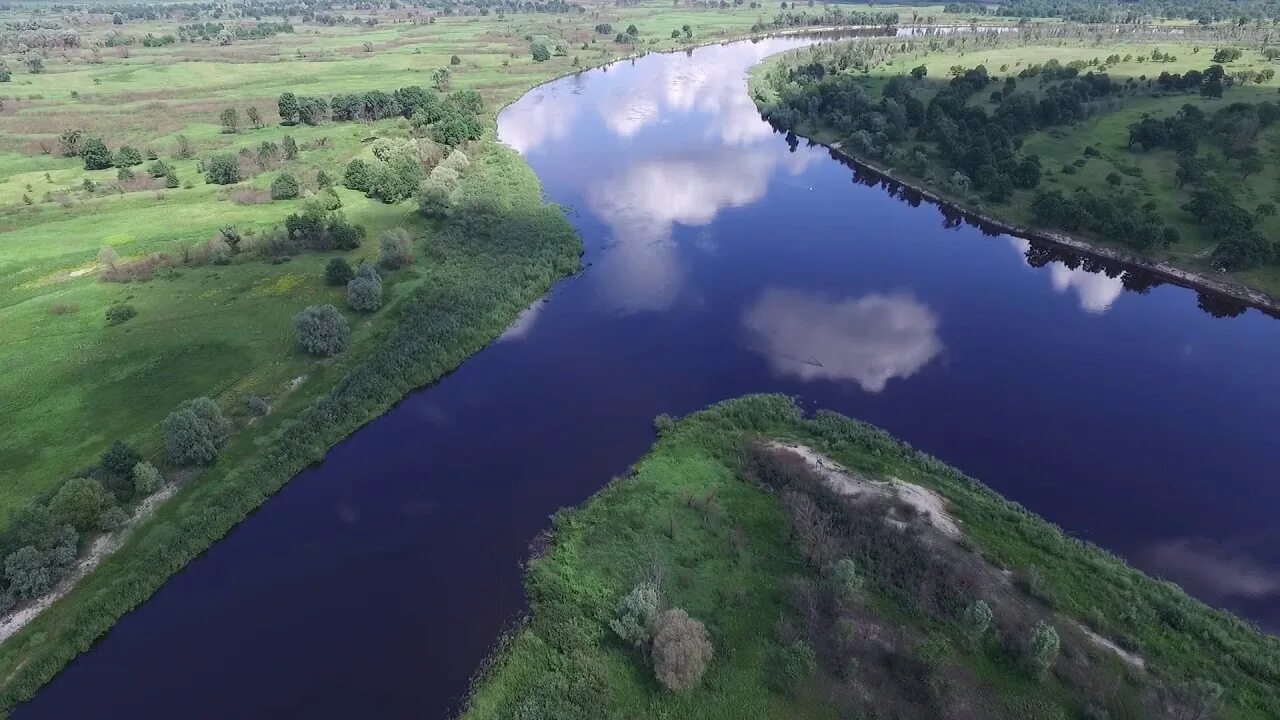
x,y
1096,292
870,339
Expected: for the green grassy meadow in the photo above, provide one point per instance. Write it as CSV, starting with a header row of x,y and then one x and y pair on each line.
x,y
1151,174
695,513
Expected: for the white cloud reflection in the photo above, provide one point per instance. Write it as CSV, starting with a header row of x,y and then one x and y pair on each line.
x,y
1213,571
869,340
1095,291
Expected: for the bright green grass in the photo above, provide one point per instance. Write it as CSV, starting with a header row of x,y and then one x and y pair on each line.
x,y
566,662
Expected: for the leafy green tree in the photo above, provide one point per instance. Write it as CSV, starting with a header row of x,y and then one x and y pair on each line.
x,y
321,330
119,313
284,187
635,615
338,272
113,518
455,127
435,198
395,249
95,154
1042,649
323,181
27,571
290,147
468,101
287,106
357,176
977,619
847,579
195,432
223,169
119,459
146,478
34,62
919,72
80,502
455,60
230,120
364,294
540,52
796,662
255,118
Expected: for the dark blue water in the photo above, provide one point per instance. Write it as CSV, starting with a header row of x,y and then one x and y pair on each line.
x,y
721,262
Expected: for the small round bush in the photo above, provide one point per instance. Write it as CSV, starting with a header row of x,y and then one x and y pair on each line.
x,y
146,478
112,519
395,249
338,272
258,405
364,294
321,330
80,503
195,432
117,314
284,187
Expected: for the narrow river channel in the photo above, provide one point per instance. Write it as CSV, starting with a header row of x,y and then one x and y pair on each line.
x,y
721,260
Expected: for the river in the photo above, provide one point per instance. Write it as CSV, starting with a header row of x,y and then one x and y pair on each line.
x,y
721,260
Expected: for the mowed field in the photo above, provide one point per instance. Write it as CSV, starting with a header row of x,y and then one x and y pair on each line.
x,y
1151,174
73,383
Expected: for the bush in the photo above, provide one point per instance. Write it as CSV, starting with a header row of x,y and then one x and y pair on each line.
x,y
222,169
364,294
455,60
796,662
195,432
119,459
635,614
435,199
259,405
80,503
95,154
321,330
1042,649
117,314
357,175
338,272
113,518
681,650
146,478
27,571
540,52
977,618
395,249
847,580
127,157
284,187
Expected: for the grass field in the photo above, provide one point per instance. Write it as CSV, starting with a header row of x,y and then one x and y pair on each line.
x,y
699,513
1151,174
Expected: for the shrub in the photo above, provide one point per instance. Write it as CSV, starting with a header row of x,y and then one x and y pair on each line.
x,y
357,175
95,154
127,157
540,52
847,580
195,432
1042,649
222,169
455,60
125,175
80,503
364,294
344,235
977,618
146,478
113,518
435,199
284,187
395,249
635,614
681,650
796,662
108,256
338,272
258,405
321,330
117,314
323,181
119,459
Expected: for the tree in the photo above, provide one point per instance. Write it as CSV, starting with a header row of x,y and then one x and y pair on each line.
x,y
146,478
321,330
681,650
540,52
27,571
435,199
108,256
919,72
468,101
119,459
119,313
455,60
395,249
357,176
338,272
323,181
284,187
1250,164
364,294
195,432
80,502
977,618
633,31
455,127
95,154
127,157
124,174
255,118
290,147
1042,649
34,62
796,662
287,106
230,120
675,34
442,78
635,615
222,169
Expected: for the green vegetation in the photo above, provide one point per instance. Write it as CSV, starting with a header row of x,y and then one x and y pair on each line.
x,y
731,575
1162,148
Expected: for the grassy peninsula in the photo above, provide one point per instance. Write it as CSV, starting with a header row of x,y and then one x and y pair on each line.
x,y
760,563
1159,145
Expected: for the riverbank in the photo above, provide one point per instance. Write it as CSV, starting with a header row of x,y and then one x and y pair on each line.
x,y
1227,288
715,518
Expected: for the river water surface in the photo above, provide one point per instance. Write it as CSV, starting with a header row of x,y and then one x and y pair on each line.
x,y
721,260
